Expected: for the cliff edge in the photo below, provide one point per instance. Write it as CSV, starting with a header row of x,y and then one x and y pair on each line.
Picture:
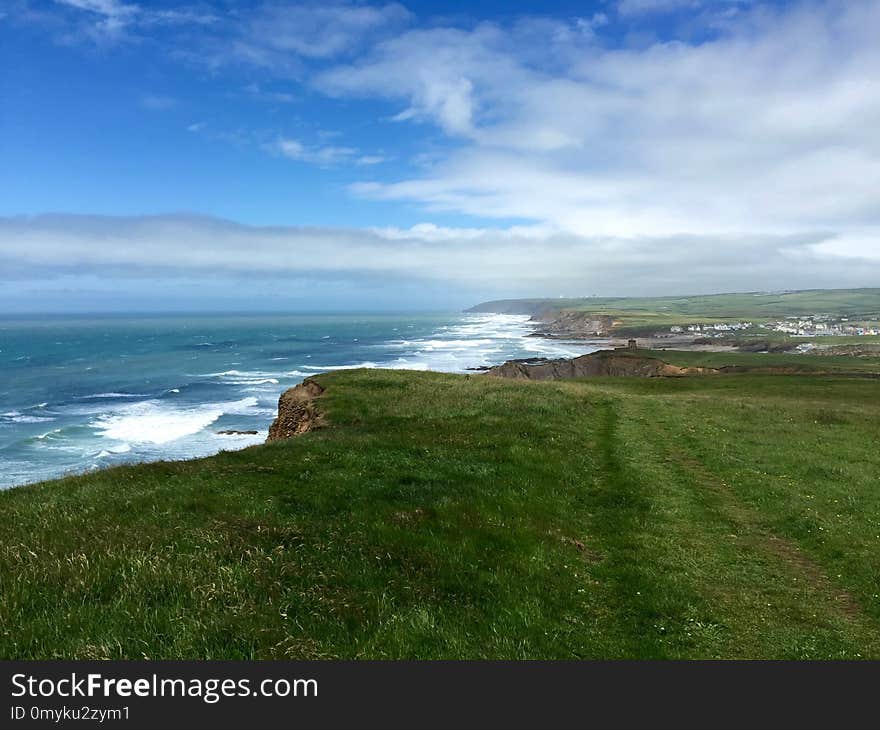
x,y
603,362
297,411
573,324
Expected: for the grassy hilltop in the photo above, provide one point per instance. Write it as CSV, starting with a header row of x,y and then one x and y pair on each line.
x,y
443,516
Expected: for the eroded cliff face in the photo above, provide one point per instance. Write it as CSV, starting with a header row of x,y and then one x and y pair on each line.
x,y
604,362
297,411
573,324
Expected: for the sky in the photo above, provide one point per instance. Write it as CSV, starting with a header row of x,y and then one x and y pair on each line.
x,y
224,155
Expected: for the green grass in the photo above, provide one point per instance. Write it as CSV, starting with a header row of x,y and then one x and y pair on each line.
x,y
446,516
744,337
795,361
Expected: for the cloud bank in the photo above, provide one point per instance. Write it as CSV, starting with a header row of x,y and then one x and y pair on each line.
x,y
482,262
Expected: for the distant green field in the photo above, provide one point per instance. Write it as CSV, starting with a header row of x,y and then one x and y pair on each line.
x,y
643,314
444,516
826,340
805,363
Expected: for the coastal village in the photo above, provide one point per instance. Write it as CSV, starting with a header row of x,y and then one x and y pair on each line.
x,y
816,326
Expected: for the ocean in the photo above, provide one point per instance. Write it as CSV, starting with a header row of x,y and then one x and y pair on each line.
x,y
78,394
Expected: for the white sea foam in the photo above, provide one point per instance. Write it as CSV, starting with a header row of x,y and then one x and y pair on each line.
x,y
154,422
48,434
553,348
111,395
478,339
122,448
20,418
451,344
245,377
405,364
356,366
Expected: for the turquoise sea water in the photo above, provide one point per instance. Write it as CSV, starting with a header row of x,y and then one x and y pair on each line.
x,y
83,393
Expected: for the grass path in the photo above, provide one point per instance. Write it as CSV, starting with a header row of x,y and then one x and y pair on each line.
x,y
795,584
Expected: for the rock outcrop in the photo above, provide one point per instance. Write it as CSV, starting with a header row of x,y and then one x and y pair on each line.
x,y
604,362
297,411
573,324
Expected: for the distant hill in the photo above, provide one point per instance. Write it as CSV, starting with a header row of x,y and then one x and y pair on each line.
x,y
858,303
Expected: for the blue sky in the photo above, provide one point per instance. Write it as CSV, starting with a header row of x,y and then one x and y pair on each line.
x,y
171,155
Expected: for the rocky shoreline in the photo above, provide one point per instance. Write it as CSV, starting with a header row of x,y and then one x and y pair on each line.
x,y
599,328
562,324
572,325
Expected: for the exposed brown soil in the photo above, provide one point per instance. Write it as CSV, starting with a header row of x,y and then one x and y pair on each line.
x,y
568,324
629,363
604,362
297,411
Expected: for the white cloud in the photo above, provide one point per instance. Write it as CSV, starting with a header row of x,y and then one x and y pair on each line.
x,y
281,39
256,92
102,7
434,71
527,261
318,155
860,246
113,17
323,155
597,21
705,9
769,128
320,31
369,160
638,7
112,20
179,16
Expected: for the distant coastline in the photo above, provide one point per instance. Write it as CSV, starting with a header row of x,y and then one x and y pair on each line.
x,y
819,321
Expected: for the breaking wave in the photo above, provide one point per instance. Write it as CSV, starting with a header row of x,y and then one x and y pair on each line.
x,y
154,422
